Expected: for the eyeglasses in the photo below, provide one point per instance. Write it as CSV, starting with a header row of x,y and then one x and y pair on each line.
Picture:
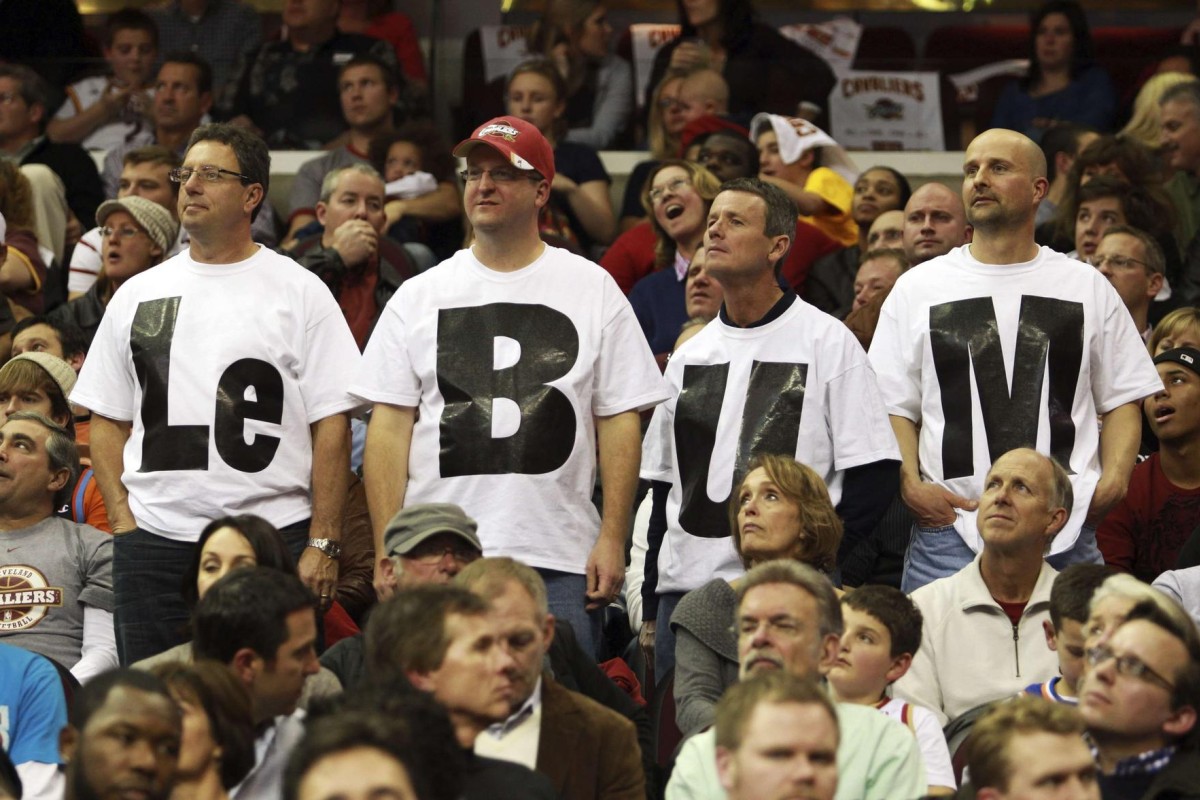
x,y
498,175
120,233
1130,666
656,195
207,173
721,157
1117,262
787,627
433,553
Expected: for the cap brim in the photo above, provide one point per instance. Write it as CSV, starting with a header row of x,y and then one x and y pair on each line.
x,y
412,543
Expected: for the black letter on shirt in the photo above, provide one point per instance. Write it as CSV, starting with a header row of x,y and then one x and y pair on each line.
x,y
469,384
770,424
233,409
964,334
164,446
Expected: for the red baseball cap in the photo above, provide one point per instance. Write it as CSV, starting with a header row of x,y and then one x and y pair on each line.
x,y
515,139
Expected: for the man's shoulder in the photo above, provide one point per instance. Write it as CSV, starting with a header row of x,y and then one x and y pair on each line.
x,y
559,701
865,723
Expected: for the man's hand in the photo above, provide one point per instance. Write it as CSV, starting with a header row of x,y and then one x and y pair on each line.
x,y
605,572
355,241
932,505
1108,493
122,522
319,573
688,56
646,637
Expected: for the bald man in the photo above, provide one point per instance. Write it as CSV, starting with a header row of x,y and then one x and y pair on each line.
x,y
935,222
1000,344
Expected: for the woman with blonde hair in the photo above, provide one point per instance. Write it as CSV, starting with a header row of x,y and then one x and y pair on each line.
x,y
1144,126
677,197
780,509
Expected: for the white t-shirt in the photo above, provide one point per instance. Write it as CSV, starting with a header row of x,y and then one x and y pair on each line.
x,y
84,94
556,344
800,384
934,751
947,340
185,351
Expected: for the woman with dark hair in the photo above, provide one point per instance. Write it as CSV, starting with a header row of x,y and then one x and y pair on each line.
x,y
230,543
765,71
536,93
1063,83
575,35
216,750
781,509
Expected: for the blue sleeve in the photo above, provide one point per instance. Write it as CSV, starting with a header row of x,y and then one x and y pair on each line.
x,y
1096,100
40,714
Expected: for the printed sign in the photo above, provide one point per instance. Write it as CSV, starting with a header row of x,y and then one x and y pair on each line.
x,y
836,41
646,39
887,111
503,49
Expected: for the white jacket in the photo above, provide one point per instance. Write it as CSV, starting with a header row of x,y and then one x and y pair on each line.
x,y
970,652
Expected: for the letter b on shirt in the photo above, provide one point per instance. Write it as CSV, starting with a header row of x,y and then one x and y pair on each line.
x,y
470,381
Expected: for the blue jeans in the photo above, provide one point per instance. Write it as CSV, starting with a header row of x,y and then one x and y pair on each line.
x,y
664,637
567,596
149,613
938,552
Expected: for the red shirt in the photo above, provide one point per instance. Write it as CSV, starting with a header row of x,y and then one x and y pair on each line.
x,y
1146,530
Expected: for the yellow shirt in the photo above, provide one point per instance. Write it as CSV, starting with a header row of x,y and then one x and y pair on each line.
x,y
835,190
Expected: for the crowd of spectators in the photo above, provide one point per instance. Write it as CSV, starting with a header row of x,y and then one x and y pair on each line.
x,y
780,478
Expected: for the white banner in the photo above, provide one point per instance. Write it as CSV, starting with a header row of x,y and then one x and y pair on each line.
x,y
647,39
836,41
503,48
887,111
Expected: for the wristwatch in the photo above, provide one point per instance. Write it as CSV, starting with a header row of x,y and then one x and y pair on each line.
x,y
327,546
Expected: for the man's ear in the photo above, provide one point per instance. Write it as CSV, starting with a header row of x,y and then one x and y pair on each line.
x,y
322,210
1051,636
1154,285
254,196
68,739
726,768
548,632
76,361
58,479
37,112
420,680
900,665
1041,187
245,665
806,158
831,645
1181,722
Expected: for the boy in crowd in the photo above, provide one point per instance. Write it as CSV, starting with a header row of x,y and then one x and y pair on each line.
x,y
883,631
1069,599
108,111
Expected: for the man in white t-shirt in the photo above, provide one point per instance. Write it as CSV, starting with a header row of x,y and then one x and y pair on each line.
x,y
1002,344
771,374
499,376
217,386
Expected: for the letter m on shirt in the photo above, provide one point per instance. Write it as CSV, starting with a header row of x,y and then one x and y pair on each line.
x,y
965,340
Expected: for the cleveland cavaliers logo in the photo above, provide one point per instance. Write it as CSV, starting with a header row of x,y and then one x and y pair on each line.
x,y
25,598
507,132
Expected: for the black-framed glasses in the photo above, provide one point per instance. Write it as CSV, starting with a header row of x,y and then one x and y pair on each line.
x,y
434,553
207,172
1130,666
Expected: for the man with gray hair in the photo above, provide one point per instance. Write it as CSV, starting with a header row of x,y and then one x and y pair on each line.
x,y
359,263
772,374
789,619
983,634
588,751
57,575
1179,114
